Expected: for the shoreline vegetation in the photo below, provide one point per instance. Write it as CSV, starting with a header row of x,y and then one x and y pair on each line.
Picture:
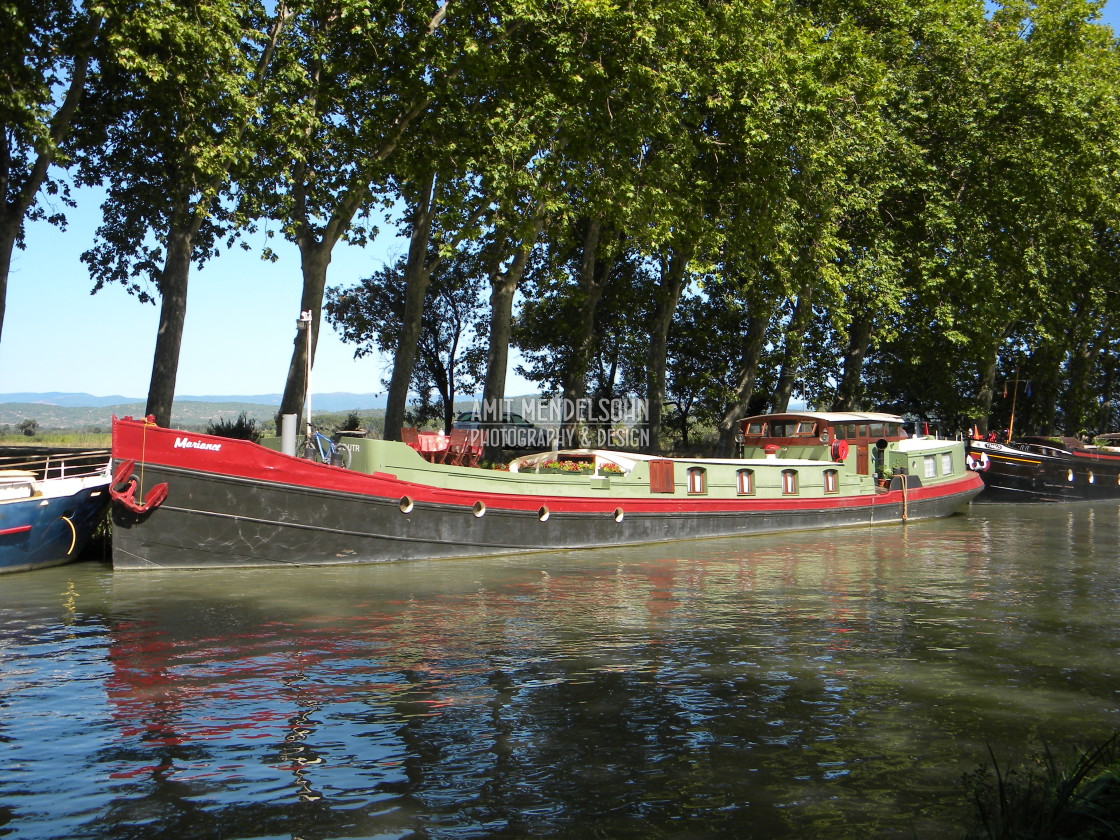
x,y
1053,795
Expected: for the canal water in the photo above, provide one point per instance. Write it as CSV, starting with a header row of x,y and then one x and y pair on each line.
x,y
824,685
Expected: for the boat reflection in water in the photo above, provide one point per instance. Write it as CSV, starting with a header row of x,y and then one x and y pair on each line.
x,y
767,687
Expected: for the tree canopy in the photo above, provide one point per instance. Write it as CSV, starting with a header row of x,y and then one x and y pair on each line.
x,y
718,206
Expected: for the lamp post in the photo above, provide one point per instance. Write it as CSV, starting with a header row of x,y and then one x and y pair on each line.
x,y
304,323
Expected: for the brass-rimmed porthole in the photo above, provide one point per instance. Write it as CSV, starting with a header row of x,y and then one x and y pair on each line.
x,y
406,504
1092,478
543,513
478,510
618,514
1069,475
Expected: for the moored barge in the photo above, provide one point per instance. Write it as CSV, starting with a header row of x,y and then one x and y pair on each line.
x,y
1043,469
186,500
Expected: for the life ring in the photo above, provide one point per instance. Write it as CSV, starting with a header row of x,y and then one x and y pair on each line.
x,y
978,464
839,450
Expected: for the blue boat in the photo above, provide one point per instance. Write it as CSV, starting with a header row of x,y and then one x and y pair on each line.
x,y
51,503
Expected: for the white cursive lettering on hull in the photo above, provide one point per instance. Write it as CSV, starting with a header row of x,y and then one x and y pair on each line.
x,y
187,443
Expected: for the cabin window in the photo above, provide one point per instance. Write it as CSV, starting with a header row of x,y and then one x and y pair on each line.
x,y
744,482
807,429
930,464
946,463
831,481
789,482
697,480
875,430
756,428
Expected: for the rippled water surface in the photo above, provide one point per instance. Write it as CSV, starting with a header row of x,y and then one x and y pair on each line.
x,y
815,685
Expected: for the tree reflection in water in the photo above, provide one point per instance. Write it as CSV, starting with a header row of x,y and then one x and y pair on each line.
x,y
811,683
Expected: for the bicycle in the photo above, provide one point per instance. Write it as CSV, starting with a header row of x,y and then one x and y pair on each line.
x,y
324,450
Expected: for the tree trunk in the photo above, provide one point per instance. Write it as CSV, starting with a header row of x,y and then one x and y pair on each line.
x,y
986,393
503,287
593,272
668,296
172,317
747,375
850,390
315,257
418,274
987,390
9,231
793,352
1080,402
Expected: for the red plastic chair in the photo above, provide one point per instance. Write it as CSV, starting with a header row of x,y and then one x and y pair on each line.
x,y
411,437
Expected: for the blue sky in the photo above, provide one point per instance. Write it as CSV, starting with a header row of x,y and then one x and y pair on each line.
x,y
240,325
241,320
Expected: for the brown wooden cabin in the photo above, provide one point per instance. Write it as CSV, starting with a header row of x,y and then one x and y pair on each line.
x,y
812,434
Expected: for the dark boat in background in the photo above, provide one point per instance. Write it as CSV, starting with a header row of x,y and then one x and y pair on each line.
x,y
51,503
1045,469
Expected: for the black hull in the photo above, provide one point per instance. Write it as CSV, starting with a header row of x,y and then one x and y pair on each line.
x,y
1034,474
218,521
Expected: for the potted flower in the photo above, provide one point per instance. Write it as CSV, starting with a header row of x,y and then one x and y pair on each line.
x,y
577,467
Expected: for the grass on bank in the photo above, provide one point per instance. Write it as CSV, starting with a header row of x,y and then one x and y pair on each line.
x,y
1050,797
77,440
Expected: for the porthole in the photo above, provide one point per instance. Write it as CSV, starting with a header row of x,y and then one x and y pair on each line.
x,y
542,513
618,514
1091,477
406,504
1069,476
479,509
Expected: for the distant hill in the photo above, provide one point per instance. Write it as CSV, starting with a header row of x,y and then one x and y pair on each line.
x,y
55,410
63,399
327,402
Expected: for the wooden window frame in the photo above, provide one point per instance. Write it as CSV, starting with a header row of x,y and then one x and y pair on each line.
x,y
789,483
744,482
832,481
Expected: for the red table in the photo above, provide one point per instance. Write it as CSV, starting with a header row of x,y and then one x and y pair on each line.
x,y
431,445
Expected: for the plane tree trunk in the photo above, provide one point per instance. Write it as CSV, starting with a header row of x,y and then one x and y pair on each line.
x,y
668,296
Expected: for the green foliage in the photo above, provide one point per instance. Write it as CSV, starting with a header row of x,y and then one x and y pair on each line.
x,y
895,204
1051,797
241,428
369,315
371,422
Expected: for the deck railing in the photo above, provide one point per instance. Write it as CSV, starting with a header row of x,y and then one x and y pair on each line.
x,y
55,463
